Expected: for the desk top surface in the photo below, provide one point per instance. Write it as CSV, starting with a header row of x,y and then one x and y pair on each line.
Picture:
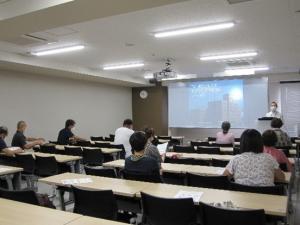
x,y
5,170
16,213
85,220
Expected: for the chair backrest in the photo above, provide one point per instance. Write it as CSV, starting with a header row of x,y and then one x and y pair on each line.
x,y
26,196
272,190
202,162
208,150
154,178
236,151
164,137
27,162
48,148
102,172
219,163
212,215
100,204
199,143
183,149
211,139
92,157
188,161
283,167
216,182
83,143
223,145
168,211
76,151
100,138
111,139
285,150
112,136
122,153
102,145
46,166
173,178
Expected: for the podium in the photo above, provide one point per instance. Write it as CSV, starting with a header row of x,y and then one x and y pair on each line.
x,y
263,123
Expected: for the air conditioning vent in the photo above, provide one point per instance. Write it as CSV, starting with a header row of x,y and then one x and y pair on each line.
x,y
237,1
27,39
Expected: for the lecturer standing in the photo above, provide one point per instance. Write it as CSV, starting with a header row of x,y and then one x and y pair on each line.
x,y
274,112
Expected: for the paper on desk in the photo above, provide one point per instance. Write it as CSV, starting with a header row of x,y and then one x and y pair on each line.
x,y
162,148
13,148
220,171
195,195
77,181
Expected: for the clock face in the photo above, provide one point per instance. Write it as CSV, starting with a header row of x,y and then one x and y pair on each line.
x,y
143,94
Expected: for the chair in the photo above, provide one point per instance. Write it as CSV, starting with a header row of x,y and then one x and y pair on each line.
x,y
285,150
153,178
199,143
100,204
223,145
183,149
212,215
216,182
102,172
283,167
168,211
236,150
83,143
75,151
46,166
188,161
201,162
109,139
102,145
92,157
27,162
112,136
211,139
208,150
164,137
122,153
48,148
173,178
26,196
219,163
272,190
97,138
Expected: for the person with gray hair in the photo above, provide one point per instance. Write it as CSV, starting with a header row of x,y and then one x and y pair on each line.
x,y
224,136
3,147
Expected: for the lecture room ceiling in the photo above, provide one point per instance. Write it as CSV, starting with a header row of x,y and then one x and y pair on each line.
x,y
118,32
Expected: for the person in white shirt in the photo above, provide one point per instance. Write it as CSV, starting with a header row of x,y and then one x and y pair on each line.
x,y
274,112
123,134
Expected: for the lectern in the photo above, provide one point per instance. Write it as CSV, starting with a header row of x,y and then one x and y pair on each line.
x,y
263,123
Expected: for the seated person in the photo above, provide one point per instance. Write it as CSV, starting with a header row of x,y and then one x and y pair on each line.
x,y
138,162
224,136
66,136
19,139
3,147
253,167
270,139
283,138
123,134
150,149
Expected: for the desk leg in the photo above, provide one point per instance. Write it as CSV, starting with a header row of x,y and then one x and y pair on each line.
x,y
17,181
9,182
62,200
77,166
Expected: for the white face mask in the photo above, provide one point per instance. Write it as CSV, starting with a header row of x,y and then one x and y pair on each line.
x,y
273,108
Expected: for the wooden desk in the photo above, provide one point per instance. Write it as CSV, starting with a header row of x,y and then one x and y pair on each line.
x,y
182,168
17,213
272,204
85,220
7,171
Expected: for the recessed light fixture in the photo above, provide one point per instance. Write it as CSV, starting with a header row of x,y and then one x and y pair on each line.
x,y
229,56
123,66
58,50
244,71
149,76
181,77
191,30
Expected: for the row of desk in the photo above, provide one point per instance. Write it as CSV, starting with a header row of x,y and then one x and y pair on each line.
x,y
272,204
17,213
183,169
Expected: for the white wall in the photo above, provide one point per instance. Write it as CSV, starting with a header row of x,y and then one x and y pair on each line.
x,y
45,103
274,95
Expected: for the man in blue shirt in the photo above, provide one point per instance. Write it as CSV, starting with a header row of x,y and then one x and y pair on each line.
x,y
3,146
66,136
138,162
20,140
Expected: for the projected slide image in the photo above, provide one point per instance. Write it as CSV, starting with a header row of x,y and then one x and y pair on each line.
x,y
216,101
206,104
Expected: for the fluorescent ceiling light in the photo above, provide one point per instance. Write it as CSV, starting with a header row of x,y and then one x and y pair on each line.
x,y
149,76
229,56
218,26
123,66
245,71
58,50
